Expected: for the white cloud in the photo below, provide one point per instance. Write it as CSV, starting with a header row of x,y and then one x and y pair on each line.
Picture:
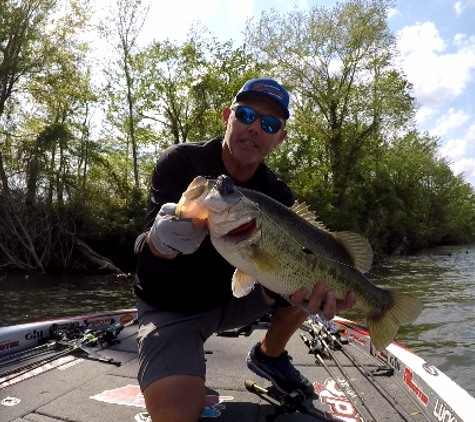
x,y
466,166
421,38
470,134
172,19
458,6
424,113
393,12
451,120
239,11
454,148
457,150
439,71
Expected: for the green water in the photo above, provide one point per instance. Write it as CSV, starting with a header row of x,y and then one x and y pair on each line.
x,y
443,278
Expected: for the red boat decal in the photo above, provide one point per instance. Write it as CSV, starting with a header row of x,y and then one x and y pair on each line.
x,y
340,406
8,345
94,322
130,395
408,375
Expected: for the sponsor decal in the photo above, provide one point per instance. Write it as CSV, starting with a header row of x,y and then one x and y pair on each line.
x,y
340,406
130,395
34,335
214,405
357,338
8,345
16,378
10,401
269,89
98,322
125,319
407,378
442,413
388,358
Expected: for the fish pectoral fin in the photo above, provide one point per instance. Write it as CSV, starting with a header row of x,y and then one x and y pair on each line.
x,y
359,249
242,283
403,310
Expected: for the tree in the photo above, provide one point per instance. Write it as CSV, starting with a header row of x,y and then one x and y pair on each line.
x,y
185,87
34,47
346,92
126,18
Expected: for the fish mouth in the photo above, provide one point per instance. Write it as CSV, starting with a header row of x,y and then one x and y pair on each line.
x,y
244,230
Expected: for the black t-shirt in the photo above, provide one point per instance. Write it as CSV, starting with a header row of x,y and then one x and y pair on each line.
x,y
199,281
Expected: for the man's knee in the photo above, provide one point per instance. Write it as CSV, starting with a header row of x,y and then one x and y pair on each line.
x,y
178,398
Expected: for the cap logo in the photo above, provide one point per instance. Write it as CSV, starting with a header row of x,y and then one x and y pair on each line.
x,y
269,89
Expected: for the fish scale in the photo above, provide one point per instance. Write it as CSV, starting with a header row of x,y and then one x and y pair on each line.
x,y
286,249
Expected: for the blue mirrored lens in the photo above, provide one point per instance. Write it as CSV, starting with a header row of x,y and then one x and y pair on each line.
x,y
247,116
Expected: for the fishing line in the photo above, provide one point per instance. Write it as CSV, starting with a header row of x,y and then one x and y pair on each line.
x,y
392,401
304,248
320,360
404,390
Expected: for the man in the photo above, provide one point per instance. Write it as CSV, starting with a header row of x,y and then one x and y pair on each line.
x,y
183,285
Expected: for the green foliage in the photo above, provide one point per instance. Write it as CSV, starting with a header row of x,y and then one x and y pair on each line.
x,y
76,154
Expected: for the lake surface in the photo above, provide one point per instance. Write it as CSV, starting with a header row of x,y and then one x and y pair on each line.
x,y
443,278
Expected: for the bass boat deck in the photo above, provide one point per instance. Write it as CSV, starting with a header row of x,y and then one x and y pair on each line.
x,y
83,369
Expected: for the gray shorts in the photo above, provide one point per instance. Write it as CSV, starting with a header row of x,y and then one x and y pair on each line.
x,y
171,343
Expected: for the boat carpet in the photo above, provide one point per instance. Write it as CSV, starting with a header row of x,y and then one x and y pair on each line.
x,y
84,390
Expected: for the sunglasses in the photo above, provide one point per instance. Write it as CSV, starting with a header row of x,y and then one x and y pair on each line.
x,y
247,116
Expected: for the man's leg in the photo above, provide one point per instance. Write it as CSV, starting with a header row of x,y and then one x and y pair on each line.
x,y
178,398
285,322
172,363
270,360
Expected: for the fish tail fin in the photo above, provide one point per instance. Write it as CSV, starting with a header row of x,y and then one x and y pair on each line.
x,y
403,310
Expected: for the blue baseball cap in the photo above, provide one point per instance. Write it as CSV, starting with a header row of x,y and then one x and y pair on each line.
x,y
266,88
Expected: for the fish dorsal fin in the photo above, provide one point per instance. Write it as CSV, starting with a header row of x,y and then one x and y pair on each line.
x,y
301,209
359,249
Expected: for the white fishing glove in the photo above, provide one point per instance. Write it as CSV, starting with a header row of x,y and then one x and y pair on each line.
x,y
171,234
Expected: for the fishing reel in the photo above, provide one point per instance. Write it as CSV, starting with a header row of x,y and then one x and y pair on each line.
x,y
288,403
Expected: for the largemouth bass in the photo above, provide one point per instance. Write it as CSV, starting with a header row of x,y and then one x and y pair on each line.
x,y
285,248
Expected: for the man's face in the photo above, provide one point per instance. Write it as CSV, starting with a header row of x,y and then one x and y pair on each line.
x,y
249,144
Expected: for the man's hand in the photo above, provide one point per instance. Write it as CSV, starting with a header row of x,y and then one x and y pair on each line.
x,y
323,299
171,235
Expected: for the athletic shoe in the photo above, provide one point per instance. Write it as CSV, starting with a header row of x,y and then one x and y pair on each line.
x,y
280,371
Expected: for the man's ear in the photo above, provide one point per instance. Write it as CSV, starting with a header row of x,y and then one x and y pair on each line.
x,y
282,136
225,114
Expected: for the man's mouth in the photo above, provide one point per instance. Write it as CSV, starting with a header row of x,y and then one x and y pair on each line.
x,y
249,143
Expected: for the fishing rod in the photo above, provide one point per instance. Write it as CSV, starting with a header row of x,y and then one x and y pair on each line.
x,y
25,354
323,334
317,349
380,371
68,342
11,376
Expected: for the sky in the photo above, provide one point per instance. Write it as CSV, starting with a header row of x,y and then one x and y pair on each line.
x,y
436,39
